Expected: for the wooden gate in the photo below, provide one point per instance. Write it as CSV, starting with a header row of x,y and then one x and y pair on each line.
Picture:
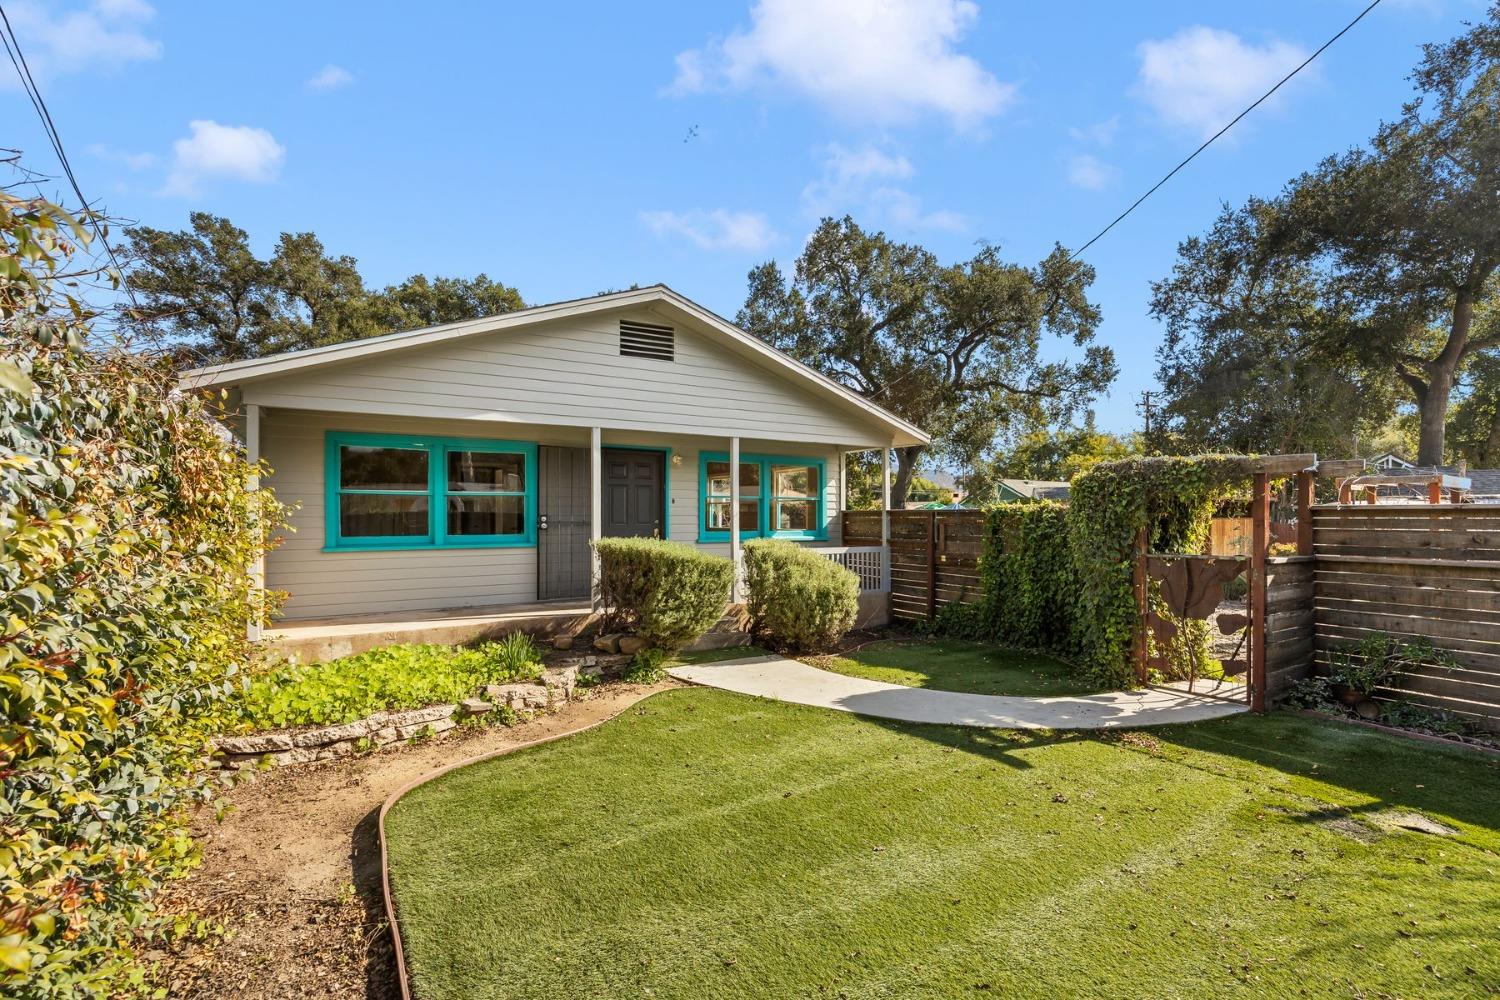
x,y
934,556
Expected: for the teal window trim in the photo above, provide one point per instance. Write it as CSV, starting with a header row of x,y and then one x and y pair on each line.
x,y
765,496
437,493
666,479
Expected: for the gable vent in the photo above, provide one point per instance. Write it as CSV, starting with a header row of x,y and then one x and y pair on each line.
x,y
647,340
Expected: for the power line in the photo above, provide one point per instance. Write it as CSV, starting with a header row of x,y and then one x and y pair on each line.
x,y
1193,155
28,83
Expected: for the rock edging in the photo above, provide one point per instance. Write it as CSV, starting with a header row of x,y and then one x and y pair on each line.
x,y
555,687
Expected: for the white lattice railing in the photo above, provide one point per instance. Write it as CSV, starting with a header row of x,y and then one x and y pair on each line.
x,y
871,563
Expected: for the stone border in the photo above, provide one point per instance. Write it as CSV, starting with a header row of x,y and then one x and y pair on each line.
x,y
385,807
556,687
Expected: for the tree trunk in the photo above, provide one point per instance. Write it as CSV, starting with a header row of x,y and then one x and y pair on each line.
x,y
1432,412
1442,372
906,468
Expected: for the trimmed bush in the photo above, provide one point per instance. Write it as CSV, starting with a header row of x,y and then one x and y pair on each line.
x,y
666,592
799,599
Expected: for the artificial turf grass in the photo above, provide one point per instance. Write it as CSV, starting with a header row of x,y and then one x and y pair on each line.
x,y
954,665
706,844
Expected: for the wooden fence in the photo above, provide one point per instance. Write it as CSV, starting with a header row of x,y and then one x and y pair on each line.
x,y
1231,536
934,556
1415,570
1289,622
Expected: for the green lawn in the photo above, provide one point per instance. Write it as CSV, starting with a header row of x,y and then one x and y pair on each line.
x,y
950,665
708,845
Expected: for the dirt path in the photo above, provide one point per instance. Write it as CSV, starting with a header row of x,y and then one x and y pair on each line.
x,y
292,873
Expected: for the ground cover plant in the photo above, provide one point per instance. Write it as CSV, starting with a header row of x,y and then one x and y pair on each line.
x,y
705,844
390,678
956,665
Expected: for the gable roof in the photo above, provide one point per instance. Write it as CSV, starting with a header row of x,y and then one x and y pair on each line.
x,y
1037,489
657,296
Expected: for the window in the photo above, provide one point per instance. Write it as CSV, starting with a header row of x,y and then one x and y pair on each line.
x,y
779,497
391,492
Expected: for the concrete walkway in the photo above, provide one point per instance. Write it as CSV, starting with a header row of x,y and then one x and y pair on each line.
x,y
788,680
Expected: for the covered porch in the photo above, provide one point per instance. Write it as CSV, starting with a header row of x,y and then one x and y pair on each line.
x,y
573,486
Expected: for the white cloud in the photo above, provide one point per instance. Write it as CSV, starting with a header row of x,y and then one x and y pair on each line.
x,y
105,34
863,182
238,152
131,161
331,77
719,229
1099,133
885,61
1200,78
1090,173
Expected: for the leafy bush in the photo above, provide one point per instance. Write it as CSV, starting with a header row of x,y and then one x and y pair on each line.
x,y
801,600
667,592
124,590
391,678
646,667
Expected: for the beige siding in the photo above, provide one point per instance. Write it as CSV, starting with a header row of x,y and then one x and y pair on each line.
x,y
570,373
323,584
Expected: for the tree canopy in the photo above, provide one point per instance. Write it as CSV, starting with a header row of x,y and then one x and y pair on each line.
x,y
1365,269
955,350
203,291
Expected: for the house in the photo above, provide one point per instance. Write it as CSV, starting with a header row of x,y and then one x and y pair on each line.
x,y
471,464
1032,489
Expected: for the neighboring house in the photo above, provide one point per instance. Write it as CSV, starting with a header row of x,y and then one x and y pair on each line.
x,y
1388,462
1032,489
1484,484
471,464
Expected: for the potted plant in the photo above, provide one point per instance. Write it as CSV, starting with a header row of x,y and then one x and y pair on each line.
x,y
1357,671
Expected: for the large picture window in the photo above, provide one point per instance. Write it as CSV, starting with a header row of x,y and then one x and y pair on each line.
x,y
779,497
386,491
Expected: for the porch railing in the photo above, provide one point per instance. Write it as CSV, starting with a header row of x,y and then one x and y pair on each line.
x,y
871,563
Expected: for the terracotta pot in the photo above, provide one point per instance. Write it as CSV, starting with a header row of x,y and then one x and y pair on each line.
x,y
1347,695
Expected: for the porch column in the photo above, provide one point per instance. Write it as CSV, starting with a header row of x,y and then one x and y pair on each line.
x,y
734,517
596,510
256,624
885,496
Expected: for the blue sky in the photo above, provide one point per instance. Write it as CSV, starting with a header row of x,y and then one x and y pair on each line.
x,y
570,148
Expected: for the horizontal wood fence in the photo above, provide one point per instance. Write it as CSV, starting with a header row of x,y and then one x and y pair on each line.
x,y
1289,622
1415,570
934,556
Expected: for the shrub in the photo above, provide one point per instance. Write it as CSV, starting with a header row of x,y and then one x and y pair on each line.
x,y
1378,659
124,587
801,600
1030,580
391,678
667,592
646,667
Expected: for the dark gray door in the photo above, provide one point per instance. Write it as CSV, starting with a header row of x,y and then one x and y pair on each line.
x,y
562,506
633,501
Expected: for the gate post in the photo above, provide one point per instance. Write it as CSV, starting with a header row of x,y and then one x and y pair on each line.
x,y
931,565
1260,512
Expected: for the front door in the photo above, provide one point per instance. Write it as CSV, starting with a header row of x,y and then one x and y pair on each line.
x,y
634,501
562,502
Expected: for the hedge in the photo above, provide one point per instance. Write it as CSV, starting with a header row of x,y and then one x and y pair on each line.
x,y
798,600
124,593
668,592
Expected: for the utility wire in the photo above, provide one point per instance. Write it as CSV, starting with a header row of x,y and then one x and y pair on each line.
x,y
1193,155
28,83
